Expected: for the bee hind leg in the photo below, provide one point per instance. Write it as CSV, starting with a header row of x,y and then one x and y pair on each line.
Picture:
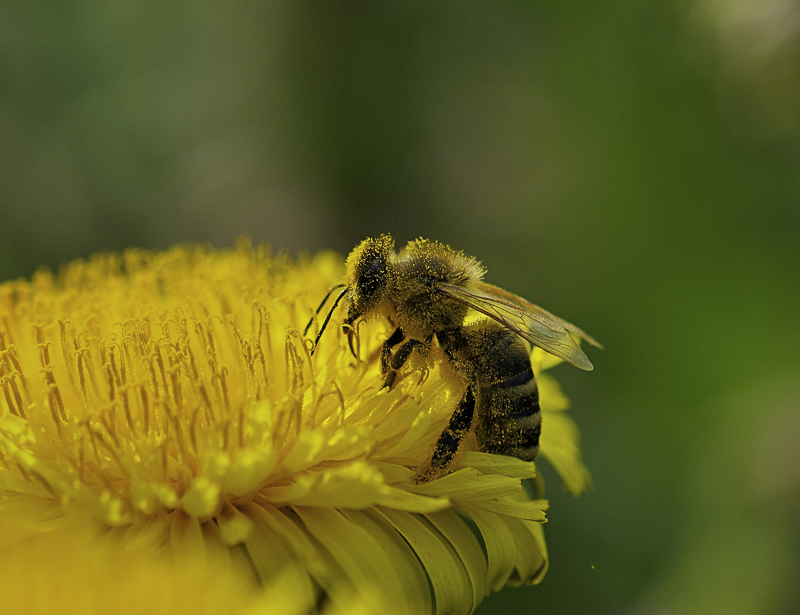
x,y
450,441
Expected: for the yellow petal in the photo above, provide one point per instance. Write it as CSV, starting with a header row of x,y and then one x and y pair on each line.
x,y
559,444
469,551
272,552
551,397
532,511
469,484
487,463
447,574
398,550
508,557
360,555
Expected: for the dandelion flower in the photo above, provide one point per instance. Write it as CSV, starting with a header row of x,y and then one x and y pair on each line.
x,y
161,412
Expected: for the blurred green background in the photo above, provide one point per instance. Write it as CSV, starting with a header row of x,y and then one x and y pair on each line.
x,y
632,166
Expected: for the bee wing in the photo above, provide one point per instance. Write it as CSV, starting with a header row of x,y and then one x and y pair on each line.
x,y
501,293
526,319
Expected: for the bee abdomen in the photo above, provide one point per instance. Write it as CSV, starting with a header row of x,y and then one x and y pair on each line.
x,y
497,361
520,379
511,421
509,416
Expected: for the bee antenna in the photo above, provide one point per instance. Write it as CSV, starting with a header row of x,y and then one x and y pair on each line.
x,y
330,313
308,326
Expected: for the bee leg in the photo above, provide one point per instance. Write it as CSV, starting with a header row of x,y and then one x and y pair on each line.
x,y
386,356
388,382
386,351
396,361
450,440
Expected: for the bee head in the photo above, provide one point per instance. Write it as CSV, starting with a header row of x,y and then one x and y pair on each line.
x,y
367,275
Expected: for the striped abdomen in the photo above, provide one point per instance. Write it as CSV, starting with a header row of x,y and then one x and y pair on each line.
x,y
508,417
500,401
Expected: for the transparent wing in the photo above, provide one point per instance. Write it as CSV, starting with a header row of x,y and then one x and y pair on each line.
x,y
501,293
526,319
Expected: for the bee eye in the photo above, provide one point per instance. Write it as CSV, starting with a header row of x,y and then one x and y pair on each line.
x,y
373,279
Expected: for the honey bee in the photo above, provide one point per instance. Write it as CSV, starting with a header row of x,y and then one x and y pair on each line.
x,y
426,291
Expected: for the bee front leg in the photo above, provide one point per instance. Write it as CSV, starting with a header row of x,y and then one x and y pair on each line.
x,y
396,361
386,350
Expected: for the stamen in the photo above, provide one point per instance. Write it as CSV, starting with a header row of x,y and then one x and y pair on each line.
x,y
7,394
17,396
126,406
145,409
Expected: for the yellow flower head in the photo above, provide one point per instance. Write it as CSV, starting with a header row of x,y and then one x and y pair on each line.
x,y
166,406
